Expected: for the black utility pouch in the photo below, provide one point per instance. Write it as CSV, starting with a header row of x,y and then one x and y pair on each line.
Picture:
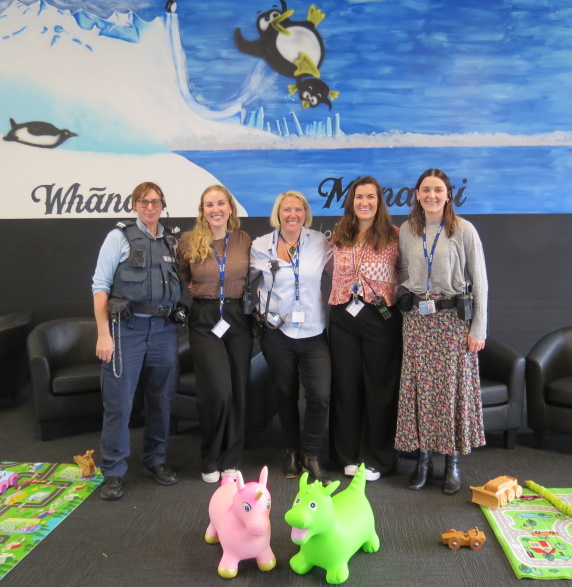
x,y
118,307
404,299
465,307
179,314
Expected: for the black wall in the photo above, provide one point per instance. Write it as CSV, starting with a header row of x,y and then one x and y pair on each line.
x,y
47,266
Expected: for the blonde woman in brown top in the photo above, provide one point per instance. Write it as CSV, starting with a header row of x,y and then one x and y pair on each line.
x,y
214,258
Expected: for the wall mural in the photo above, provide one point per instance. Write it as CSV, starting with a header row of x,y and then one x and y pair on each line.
x,y
97,96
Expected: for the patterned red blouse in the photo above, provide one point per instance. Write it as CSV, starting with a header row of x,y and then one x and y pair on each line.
x,y
376,271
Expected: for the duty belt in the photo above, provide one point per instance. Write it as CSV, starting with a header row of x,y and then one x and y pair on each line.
x,y
161,311
446,304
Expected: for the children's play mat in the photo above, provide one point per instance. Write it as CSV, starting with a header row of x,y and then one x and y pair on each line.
x,y
535,536
34,499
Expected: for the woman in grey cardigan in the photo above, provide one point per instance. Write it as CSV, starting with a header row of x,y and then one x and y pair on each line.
x,y
443,329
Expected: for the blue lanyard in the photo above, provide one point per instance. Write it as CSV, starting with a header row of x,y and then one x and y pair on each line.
x,y
429,258
221,271
295,261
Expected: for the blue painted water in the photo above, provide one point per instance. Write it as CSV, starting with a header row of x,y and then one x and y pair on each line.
x,y
487,180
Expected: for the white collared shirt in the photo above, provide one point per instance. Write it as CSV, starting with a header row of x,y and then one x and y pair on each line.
x,y
315,258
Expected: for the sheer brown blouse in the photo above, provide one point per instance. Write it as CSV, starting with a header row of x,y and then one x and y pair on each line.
x,y
205,275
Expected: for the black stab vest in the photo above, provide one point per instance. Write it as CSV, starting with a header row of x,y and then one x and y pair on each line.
x,y
149,274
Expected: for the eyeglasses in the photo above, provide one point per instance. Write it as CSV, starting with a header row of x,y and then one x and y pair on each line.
x,y
154,203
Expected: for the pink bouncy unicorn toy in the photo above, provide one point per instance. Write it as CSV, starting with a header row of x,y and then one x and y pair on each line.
x,y
240,519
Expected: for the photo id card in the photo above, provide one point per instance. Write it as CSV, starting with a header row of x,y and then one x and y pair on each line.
x,y
427,307
354,307
221,327
298,317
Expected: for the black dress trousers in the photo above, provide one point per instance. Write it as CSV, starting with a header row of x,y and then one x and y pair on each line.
x,y
366,353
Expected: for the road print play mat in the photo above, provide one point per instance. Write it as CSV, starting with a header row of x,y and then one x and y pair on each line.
x,y
535,536
34,499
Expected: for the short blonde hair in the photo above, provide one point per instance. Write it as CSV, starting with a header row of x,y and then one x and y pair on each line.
x,y
275,215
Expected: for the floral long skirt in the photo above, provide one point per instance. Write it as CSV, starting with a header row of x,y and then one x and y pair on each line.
x,y
440,406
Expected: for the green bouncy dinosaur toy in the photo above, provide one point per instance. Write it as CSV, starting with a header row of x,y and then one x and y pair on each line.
x,y
330,530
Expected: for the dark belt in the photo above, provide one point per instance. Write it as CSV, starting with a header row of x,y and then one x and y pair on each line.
x,y
446,304
160,311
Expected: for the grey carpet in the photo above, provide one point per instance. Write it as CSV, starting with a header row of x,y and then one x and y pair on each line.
x,y
154,535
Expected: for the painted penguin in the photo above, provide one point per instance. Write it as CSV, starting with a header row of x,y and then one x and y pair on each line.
x,y
291,48
313,92
171,6
38,134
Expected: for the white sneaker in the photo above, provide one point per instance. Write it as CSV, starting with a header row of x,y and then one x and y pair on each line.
x,y
211,477
350,470
229,473
370,473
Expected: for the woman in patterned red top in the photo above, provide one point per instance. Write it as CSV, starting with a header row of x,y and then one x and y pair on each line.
x,y
365,334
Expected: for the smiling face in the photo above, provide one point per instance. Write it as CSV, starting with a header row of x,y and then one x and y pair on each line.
x,y
365,204
432,195
216,211
146,209
292,216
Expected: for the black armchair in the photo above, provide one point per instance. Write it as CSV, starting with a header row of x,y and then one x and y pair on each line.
x,y
501,370
260,401
14,330
65,374
549,384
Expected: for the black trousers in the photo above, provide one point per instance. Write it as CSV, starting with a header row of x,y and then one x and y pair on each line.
x,y
366,355
291,360
221,370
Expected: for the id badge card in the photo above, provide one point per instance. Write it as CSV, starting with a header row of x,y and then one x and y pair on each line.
x,y
427,307
354,307
220,328
298,317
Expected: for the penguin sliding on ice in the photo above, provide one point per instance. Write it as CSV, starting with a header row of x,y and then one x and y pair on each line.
x,y
171,6
313,92
38,134
291,48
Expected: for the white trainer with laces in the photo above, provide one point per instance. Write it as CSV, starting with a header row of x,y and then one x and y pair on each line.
x,y
211,477
370,473
229,473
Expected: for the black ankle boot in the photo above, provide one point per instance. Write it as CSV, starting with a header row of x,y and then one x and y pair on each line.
x,y
312,466
423,471
291,468
452,477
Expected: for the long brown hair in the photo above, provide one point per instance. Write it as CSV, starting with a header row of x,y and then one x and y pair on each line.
x,y
417,215
379,234
196,245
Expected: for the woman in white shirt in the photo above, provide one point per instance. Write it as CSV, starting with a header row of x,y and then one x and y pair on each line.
x,y
289,263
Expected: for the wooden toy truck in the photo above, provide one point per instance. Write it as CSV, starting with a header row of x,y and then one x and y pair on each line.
x,y
473,538
497,492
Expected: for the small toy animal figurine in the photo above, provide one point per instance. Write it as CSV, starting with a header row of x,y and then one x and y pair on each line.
x,y
86,464
240,519
330,530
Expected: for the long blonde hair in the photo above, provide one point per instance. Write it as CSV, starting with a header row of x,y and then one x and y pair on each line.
x,y
196,245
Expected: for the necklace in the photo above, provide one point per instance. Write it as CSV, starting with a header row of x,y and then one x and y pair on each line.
x,y
293,247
